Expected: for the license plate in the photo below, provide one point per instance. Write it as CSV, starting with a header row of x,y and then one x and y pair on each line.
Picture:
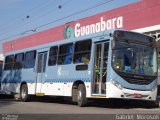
x,y
137,95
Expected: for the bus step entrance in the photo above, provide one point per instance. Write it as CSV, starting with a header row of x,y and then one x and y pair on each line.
x,y
100,68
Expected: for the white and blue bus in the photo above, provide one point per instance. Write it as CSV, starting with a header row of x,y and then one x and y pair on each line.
x,y
109,64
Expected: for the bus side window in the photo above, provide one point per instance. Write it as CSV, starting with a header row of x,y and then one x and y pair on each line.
x,y
53,56
29,61
65,54
105,56
9,60
18,62
82,51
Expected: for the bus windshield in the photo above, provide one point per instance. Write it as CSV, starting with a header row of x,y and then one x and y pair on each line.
x,y
134,58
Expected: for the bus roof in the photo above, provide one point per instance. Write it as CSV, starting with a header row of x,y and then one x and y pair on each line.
x,y
105,34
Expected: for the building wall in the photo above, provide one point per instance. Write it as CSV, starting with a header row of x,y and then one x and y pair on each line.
x,y
140,16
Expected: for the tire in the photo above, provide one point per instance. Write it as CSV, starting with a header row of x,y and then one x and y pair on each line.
x,y
151,104
81,95
24,93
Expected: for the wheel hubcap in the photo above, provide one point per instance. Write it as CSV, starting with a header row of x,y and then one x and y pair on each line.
x,y
23,93
79,95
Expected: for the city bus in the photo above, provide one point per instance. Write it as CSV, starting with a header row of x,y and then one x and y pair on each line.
x,y
109,64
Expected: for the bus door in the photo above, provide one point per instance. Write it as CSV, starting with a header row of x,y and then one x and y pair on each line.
x,y
41,68
100,68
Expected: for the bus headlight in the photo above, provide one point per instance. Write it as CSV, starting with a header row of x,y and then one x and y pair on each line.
x,y
117,84
154,88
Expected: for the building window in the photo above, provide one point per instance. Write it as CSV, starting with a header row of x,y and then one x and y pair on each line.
x,y
82,51
18,62
53,56
9,60
65,54
29,61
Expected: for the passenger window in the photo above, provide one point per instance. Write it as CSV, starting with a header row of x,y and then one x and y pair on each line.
x,y
18,62
9,62
82,51
53,56
65,54
29,61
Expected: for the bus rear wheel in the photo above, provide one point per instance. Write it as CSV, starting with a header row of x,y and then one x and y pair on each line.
x,y
81,96
24,93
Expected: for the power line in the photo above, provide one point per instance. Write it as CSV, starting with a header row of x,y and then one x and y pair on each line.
x,y
35,17
68,16
73,14
39,8
40,16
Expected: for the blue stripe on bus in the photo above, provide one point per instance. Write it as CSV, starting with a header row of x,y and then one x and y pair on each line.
x,y
69,80
16,81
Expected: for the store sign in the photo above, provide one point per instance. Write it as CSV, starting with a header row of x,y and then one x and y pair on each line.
x,y
99,26
78,30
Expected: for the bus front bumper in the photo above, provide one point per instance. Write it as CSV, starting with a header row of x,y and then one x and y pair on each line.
x,y
113,91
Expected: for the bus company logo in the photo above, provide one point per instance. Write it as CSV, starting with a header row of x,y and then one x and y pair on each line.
x,y
68,32
78,30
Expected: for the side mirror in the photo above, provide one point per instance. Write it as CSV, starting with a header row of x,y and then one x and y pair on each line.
x,y
113,44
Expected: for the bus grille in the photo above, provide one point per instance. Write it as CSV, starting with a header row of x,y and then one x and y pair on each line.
x,y
136,78
139,81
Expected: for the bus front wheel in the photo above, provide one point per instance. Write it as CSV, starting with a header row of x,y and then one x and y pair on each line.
x,y
81,95
24,93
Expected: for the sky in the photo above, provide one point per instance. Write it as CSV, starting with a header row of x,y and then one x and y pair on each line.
x,y
19,18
